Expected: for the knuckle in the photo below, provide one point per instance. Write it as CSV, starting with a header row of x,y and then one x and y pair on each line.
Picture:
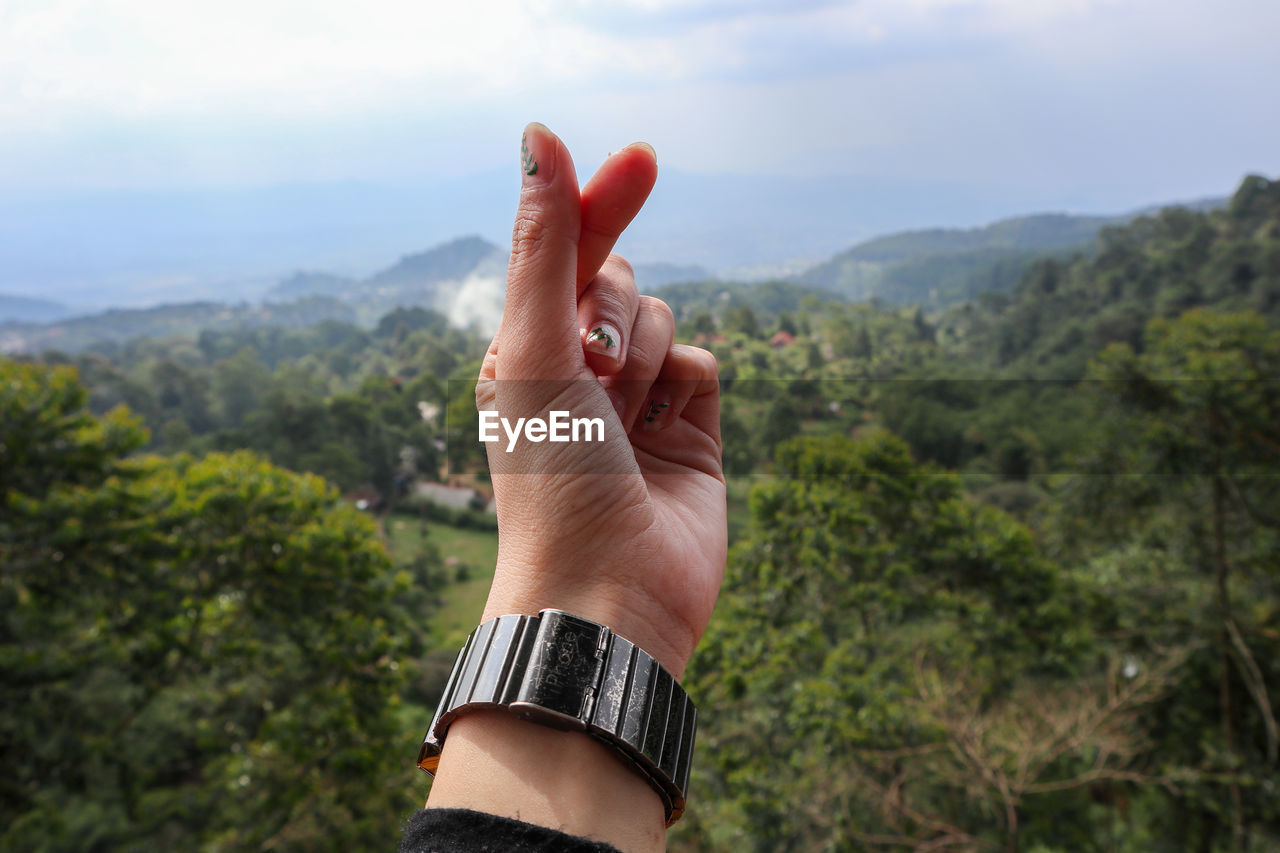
x,y
660,310
486,395
609,303
528,234
623,266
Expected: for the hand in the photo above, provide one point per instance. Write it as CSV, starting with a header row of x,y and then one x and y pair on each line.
x,y
629,531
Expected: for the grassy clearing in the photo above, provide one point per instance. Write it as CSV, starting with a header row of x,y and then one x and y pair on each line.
x,y
470,556
476,553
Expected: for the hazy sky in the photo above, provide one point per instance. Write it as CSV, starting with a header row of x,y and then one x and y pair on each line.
x,y
1095,101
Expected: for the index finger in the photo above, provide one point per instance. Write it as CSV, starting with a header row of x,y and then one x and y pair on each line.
x,y
610,200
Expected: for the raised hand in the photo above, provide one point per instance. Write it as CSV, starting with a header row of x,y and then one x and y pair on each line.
x,y
629,530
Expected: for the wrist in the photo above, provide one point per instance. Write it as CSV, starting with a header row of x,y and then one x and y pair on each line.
x,y
628,612
585,722
498,763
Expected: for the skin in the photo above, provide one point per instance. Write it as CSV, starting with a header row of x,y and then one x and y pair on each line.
x,y
629,532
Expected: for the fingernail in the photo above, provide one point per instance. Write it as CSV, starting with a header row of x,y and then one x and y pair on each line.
x,y
605,340
647,147
656,413
536,154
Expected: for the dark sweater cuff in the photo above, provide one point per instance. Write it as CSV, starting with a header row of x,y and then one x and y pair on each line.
x,y
466,831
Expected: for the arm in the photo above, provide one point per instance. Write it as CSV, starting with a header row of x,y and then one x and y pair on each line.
x,y
630,531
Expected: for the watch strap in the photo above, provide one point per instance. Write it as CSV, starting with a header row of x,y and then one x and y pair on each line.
x,y
570,673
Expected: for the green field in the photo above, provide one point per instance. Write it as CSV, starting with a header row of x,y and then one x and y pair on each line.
x,y
461,601
476,552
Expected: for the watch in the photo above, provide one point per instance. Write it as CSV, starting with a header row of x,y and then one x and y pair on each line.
x,y
570,673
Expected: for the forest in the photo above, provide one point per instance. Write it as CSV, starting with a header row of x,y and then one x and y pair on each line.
x,y
1004,573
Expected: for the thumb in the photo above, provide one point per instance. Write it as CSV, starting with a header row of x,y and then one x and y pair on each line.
x,y
539,335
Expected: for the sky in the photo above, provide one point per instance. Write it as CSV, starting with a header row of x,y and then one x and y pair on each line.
x,y
1083,105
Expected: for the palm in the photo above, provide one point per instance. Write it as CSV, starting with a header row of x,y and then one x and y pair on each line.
x,y
629,531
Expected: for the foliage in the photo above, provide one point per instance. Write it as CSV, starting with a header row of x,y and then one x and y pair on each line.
x,y
1195,442
196,653
873,619
351,406
717,299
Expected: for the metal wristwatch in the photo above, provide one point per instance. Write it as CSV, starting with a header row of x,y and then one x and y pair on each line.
x,y
570,673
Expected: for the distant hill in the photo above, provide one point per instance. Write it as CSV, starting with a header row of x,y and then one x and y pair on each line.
x,y
312,284
1038,233
450,261
121,325
1061,313
463,279
23,309
939,267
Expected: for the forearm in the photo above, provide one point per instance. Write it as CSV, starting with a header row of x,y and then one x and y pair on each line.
x,y
498,763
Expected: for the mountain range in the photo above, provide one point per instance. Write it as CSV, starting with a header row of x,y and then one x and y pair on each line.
x,y
94,249
464,279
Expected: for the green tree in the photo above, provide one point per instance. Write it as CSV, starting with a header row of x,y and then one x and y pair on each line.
x,y
1194,445
239,383
743,320
873,621
183,393
194,653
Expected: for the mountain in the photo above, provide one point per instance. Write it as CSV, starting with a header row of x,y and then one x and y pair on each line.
x,y
1062,313
1040,232
939,267
136,247
312,284
448,262
121,325
464,279
139,247
24,309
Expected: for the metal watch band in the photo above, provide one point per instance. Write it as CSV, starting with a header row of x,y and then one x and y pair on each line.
x,y
567,672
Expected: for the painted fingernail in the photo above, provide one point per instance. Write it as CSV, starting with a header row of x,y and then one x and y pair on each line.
x,y
656,411
535,153
604,339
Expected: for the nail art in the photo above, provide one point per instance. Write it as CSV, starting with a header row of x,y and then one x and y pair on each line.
x,y
652,414
599,334
527,164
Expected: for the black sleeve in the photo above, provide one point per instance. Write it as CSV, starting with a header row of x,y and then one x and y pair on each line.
x,y
466,831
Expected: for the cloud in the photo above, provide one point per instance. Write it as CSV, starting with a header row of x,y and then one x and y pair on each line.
x,y
145,57
64,59
307,88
